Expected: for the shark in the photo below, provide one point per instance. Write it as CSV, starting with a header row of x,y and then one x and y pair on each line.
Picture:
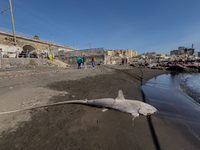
x,y
134,107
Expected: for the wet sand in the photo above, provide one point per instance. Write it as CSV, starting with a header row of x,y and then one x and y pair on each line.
x,y
74,126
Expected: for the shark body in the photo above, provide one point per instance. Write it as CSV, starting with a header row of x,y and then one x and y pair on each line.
x,y
133,107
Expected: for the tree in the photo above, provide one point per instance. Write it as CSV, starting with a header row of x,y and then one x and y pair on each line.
x,y
36,37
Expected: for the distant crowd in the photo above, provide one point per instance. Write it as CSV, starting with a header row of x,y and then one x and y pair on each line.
x,y
180,61
26,54
82,62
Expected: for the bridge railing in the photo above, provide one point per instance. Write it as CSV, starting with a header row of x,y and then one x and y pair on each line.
x,y
8,31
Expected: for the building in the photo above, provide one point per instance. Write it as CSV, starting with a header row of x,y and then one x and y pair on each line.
x,y
198,54
123,53
135,53
129,53
119,51
142,56
161,55
151,54
189,51
174,52
110,52
182,51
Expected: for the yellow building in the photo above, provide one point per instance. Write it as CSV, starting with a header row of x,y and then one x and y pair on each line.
x,y
110,52
161,55
130,53
135,53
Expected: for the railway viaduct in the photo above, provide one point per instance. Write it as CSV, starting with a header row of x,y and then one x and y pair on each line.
x,y
25,42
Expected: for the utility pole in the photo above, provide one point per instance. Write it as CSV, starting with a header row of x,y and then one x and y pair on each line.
x,y
74,44
12,21
90,48
52,38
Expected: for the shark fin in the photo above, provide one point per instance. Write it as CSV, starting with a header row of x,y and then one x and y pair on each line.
x,y
134,114
105,109
120,95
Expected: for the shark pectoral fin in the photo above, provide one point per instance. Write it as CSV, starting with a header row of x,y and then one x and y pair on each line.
x,y
134,114
120,95
105,109
85,100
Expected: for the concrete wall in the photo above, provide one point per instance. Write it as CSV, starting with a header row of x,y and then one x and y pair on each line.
x,y
7,48
71,57
20,62
56,50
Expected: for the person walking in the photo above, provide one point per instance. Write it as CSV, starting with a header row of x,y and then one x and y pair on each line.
x,y
79,62
17,53
122,61
26,53
38,54
84,62
158,61
93,61
175,61
146,60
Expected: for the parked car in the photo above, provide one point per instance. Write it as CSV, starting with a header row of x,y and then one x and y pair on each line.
x,y
45,54
33,55
11,54
22,54
5,55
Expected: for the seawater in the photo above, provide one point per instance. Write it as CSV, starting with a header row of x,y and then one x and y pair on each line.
x,y
190,84
165,93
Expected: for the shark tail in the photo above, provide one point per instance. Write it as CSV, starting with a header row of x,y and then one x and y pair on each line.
x,y
54,104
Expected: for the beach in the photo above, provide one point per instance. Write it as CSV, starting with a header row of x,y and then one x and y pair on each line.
x,y
74,126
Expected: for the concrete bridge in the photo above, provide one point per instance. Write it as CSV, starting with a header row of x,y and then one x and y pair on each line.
x,y
26,42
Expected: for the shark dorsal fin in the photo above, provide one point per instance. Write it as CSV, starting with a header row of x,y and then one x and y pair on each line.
x,y
120,95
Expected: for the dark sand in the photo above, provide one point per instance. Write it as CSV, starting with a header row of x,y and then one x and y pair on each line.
x,y
73,126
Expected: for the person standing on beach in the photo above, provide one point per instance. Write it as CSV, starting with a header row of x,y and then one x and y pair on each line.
x,y
17,53
122,61
79,62
146,60
175,61
84,61
26,53
183,61
93,61
158,61
38,54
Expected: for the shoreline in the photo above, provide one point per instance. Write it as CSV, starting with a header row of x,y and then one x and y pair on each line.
x,y
188,91
79,126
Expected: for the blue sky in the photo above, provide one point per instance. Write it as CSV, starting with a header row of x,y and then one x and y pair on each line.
x,y
142,25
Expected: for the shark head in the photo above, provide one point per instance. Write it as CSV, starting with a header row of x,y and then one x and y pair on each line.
x,y
146,109
139,107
